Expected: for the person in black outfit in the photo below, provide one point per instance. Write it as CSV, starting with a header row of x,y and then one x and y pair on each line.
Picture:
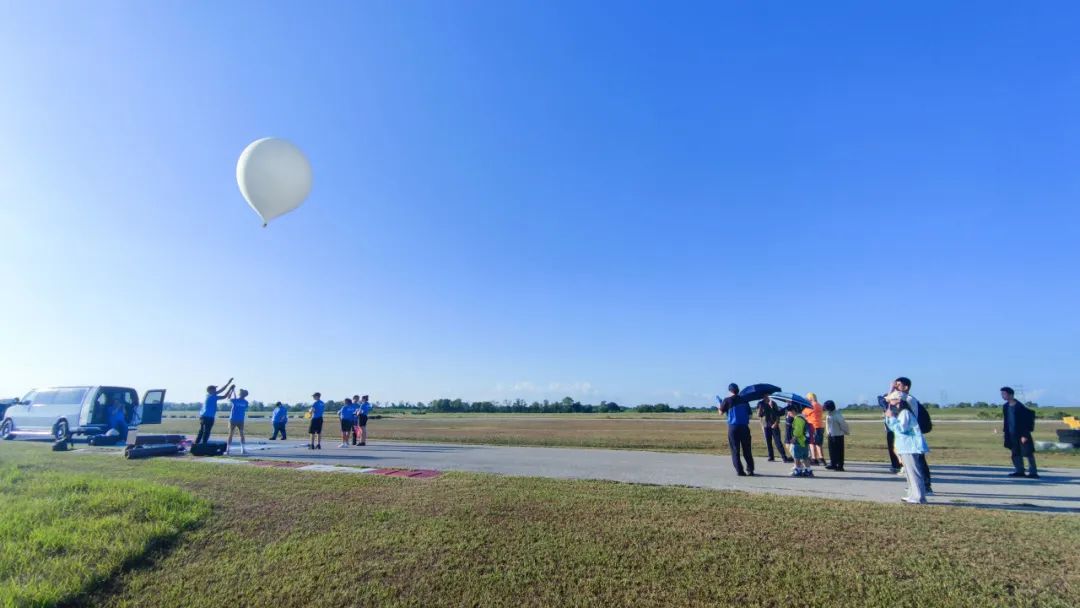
x,y
769,415
738,422
894,461
1019,423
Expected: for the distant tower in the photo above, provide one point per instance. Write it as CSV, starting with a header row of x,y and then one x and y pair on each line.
x,y
1019,388
944,398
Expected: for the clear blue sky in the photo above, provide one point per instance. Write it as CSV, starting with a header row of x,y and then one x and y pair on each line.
x,y
607,200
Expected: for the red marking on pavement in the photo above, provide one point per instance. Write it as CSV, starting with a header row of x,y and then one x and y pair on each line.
x,y
410,473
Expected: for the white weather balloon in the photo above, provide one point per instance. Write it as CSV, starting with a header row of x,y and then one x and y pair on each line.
x,y
274,176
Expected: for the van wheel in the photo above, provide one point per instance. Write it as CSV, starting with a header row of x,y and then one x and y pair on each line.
x,y
6,428
60,432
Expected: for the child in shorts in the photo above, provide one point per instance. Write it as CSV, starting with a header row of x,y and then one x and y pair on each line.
x,y
236,421
798,439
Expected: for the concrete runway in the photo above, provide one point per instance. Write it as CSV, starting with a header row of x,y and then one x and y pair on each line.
x,y
1058,490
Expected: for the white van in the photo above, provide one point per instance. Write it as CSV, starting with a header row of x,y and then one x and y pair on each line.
x,y
66,411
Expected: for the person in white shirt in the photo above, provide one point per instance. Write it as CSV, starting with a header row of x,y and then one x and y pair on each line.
x,y
837,428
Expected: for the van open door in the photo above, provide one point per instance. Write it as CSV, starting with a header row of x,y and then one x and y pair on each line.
x,y
152,403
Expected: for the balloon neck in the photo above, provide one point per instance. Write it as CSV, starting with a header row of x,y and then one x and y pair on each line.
x,y
264,224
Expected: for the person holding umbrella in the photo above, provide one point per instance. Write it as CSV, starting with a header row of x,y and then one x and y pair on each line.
x,y
738,419
769,415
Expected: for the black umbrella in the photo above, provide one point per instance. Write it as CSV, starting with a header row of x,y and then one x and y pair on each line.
x,y
755,392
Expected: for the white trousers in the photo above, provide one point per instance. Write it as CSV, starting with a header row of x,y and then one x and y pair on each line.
x,y
915,481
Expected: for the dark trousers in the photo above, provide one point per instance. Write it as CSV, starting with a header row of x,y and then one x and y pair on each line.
x,y
893,459
836,451
279,427
739,439
925,468
1019,451
205,424
773,436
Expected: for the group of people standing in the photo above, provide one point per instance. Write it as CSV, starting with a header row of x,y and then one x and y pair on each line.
x,y
799,442
807,427
353,415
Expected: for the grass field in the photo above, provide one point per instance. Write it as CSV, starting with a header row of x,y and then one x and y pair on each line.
x,y
952,441
62,533
288,538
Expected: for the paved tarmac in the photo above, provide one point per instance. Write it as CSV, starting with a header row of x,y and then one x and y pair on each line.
x,y
1058,491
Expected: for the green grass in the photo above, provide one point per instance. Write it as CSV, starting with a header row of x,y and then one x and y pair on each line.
x,y
287,538
62,533
951,442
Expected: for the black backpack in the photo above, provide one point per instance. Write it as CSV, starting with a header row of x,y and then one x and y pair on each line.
x,y
925,424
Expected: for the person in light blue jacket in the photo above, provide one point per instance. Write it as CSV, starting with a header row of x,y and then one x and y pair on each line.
x,y
909,443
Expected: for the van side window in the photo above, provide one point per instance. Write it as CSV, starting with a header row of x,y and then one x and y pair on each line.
x,y
69,396
45,398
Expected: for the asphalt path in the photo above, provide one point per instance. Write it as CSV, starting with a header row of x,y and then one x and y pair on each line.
x,y
1058,490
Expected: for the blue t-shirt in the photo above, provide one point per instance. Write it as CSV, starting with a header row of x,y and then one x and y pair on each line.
x,y
348,412
738,414
209,408
117,420
280,414
365,408
239,410
317,409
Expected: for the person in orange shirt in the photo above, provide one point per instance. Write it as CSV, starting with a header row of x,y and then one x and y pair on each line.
x,y
815,415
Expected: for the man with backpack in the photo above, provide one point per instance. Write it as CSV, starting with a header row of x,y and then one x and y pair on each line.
x,y
903,385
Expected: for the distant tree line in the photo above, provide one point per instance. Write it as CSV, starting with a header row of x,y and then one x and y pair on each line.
x,y
567,405
931,405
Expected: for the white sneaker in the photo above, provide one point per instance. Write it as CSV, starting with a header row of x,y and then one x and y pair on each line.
x,y
243,452
901,473
343,445
226,451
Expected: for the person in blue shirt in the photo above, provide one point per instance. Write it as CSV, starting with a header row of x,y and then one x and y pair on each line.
x,y
363,409
118,420
315,427
209,410
279,418
347,414
738,422
236,421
